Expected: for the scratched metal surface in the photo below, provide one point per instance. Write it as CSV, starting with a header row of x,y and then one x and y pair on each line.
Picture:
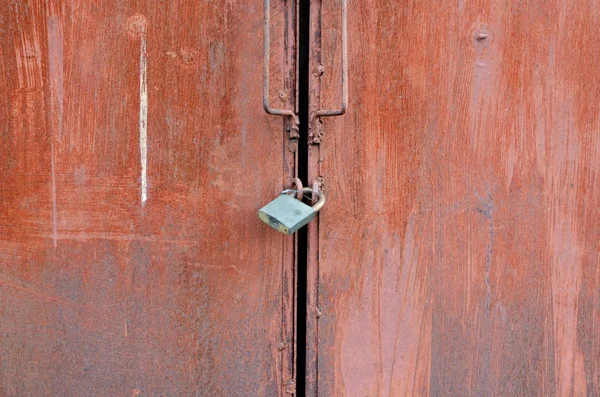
x,y
124,276
459,249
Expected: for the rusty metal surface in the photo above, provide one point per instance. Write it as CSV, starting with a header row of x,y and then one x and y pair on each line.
x,y
133,160
458,252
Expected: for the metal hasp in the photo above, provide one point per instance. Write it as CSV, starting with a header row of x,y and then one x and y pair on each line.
x,y
342,110
295,121
287,214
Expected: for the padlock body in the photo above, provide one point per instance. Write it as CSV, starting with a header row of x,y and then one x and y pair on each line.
x,y
286,214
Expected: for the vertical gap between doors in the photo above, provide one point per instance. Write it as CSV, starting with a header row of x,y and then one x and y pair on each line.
x,y
302,259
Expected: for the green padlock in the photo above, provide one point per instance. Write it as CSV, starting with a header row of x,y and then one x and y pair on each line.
x,y
287,214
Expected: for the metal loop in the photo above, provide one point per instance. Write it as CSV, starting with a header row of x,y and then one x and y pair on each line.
x,y
319,204
315,193
266,75
297,185
288,191
322,199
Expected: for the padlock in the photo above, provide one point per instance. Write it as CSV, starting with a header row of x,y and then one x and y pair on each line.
x,y
287,214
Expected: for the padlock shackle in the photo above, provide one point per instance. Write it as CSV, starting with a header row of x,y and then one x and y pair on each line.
x,y
322,199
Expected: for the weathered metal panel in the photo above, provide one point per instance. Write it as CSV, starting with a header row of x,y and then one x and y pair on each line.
x,y
133,160
458,252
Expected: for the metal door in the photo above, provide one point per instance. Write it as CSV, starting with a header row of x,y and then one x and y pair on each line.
x,y
134,154
458,252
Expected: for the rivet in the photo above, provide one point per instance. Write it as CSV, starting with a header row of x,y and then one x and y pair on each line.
x,y
319,312
320,70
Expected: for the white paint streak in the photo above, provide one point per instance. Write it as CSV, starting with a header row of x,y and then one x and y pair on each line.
x,y
54,211
143,122
56,84
55,56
